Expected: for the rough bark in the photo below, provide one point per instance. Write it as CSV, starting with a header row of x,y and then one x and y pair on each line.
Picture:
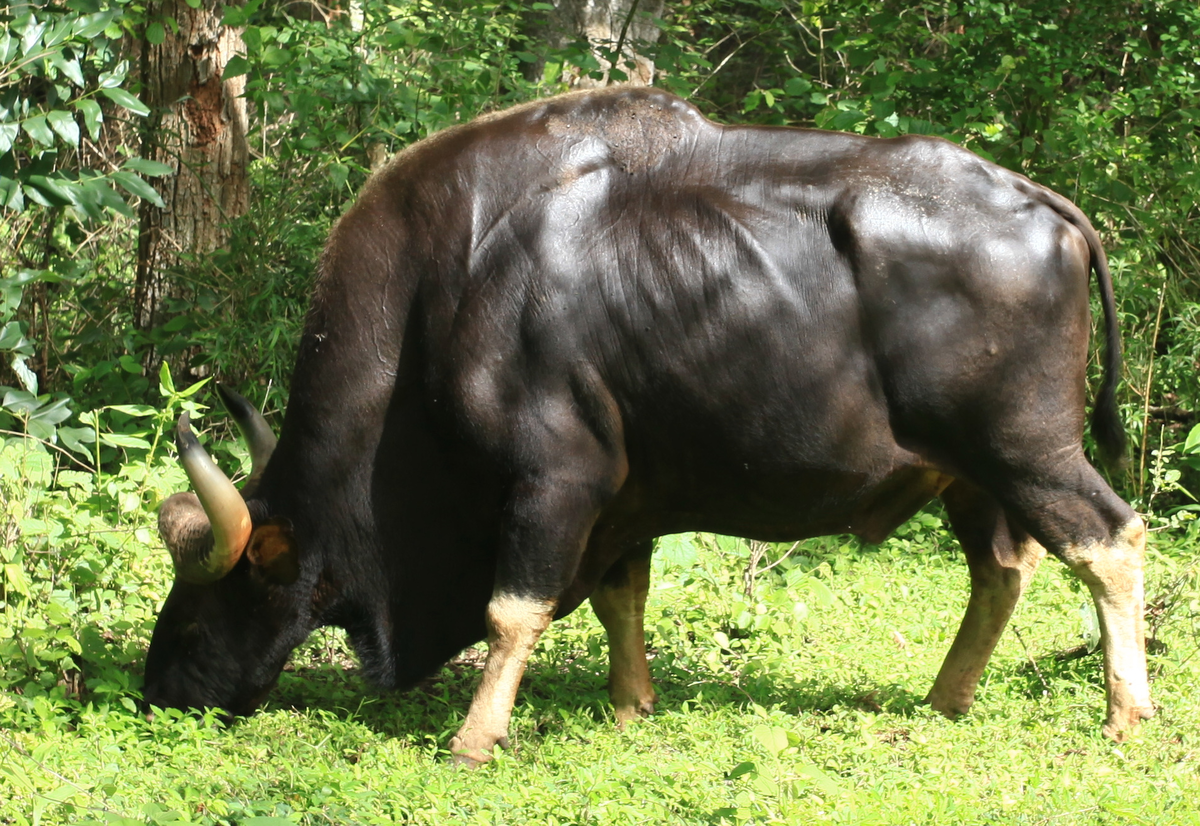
x,y
198,126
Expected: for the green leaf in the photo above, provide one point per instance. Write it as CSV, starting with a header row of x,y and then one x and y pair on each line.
x,y
89,26
745,767
14,579
123,98
59,33
123,440
165,382
106,196
12,196
55,190
8,136
136,410
236,67
11,335
93,116
29,379
77,439
155,33
772,738
37,128
64,124
69,68
820,779
53,413
1192,445
32,36
276,56
152,169
136,186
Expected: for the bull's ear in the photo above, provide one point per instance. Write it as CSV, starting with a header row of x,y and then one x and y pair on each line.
x,y
273,551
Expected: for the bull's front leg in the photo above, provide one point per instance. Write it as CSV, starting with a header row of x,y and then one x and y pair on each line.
x,y
514,626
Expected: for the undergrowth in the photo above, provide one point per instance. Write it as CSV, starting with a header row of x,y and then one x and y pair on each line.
x,y
789,695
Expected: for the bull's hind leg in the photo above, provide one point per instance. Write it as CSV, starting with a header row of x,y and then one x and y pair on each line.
x,y
1002,558
1111,567
1077,517
620,603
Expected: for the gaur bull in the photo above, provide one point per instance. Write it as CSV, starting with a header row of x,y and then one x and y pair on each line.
x,y
544,338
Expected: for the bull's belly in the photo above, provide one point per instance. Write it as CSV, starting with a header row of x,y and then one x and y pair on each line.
x,y
773,507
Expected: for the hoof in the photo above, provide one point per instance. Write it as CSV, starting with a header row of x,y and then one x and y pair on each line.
x,y
1124,722
629,713
951,709
474,755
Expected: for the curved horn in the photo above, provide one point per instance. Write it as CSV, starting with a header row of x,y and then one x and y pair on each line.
x,y
207,531
255,430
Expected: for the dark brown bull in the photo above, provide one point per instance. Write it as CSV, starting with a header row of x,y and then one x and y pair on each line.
x,y
540,340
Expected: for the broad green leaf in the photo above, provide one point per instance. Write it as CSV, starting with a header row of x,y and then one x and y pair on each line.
x,y
38,197
772,738
14,579
107,197
135,410
89,25
155,33
27,377
276,56
93,116
11,335
59,33
64,124
114,77
152,169
55,188
236,67
38,129
136,186
32,35
1193,440
123,440
69,68
820,779
77,439
12,196
53,413
165,381
8,136
123,98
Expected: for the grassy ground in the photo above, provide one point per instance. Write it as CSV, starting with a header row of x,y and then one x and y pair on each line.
x,y
799,705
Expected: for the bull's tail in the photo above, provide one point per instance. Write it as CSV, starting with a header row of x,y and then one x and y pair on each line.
x,y
1107,428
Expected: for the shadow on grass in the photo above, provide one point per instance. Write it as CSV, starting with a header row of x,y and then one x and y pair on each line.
x,y
435,707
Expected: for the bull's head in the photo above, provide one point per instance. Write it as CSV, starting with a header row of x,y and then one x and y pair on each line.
x,y
230,620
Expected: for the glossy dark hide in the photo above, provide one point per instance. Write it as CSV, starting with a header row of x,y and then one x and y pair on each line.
x,y
539,339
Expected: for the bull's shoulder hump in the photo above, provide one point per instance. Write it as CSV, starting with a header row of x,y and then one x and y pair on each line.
x,y
633,128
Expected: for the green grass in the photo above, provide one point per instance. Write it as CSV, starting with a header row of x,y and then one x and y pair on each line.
x,y
799,706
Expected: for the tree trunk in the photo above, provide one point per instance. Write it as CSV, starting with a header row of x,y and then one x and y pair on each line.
x,y
198,126
609,26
